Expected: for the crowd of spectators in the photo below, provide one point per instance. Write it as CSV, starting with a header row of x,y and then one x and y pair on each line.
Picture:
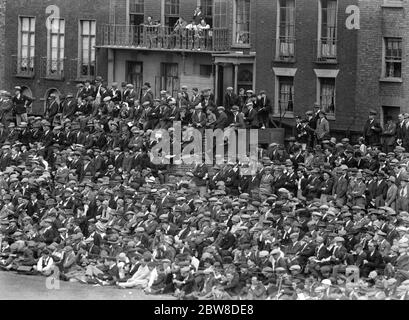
x,y
81,198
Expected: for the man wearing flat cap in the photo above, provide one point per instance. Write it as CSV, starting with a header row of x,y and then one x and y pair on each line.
x,y
6,109
20,104
229,100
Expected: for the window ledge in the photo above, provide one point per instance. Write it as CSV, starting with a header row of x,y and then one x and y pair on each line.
x,y
392,4
331,117
287,115
25,76
284,60
333,61
394,80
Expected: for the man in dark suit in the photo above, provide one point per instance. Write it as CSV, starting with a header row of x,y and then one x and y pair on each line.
x,y
196,98
87,91
230,99
147,94
238,119
199,118
372,130
373,261
115,93
221,120
69,107
252,116
264,109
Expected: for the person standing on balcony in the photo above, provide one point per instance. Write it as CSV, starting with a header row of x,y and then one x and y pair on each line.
x,y
20,104
198,15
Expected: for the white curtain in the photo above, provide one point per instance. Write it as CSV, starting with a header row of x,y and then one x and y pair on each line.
x,y
328,98
329,44
287,28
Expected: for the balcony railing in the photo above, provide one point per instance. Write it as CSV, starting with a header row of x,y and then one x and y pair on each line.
x,y
23,66
285,49
164,38
326,49
53,68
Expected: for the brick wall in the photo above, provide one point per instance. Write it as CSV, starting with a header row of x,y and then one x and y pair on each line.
x,y
72,11
2,40
305,82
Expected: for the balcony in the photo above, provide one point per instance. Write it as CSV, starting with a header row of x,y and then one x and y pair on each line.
x,y
163,38
326,50
284,49
52,68
23,67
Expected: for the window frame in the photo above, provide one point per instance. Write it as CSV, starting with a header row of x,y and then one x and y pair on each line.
x,y
220,14
132,4
60,60
386,60
278,55
30,46
91,49
279,81
205,7
319,56
235,23
319,94
167,16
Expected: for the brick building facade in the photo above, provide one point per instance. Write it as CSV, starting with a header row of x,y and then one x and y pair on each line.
x,y
43,57
300,52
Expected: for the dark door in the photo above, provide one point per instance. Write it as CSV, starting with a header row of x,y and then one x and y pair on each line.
x,y
134,75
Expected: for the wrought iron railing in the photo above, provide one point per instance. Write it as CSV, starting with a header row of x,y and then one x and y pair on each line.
x,y
53,68
285,49
23,66
160,37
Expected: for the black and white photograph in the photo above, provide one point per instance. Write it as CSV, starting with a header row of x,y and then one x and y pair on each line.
x,y
198,151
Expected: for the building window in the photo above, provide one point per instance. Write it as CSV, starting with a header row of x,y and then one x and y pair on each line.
x,y
169,79
327,95
87,48
285,95
136,12
55,55
220,14
206,70
207,9
171,12
393,58
285,48
327,32
242,22
25,63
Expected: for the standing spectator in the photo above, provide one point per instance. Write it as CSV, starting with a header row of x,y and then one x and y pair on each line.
x,y
20,104
6,109
392,193
402,134
310,128
198,15
51,108
221,121
195,99
264,109
230,99
372,130
389,135
322,130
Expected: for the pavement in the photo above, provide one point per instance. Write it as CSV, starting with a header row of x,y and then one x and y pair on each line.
x,y
23,287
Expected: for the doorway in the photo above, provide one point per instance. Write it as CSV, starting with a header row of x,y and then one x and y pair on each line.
x,y
134,75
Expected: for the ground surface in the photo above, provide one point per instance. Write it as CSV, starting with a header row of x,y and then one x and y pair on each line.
x,y
15,286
